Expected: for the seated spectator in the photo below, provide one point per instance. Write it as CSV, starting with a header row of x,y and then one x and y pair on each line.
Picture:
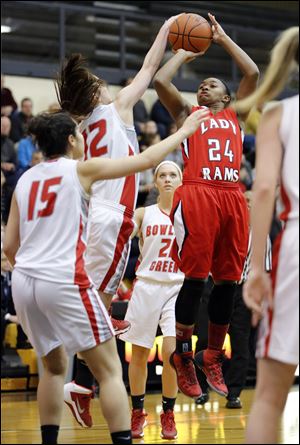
x,y
176,155
246,177
150,135
162,117
27,146
8,103
21,119
8,165
140,113
251,125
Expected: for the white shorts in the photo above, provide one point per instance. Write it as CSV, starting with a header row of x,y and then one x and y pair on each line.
x,y
54,314
151,305
278,335
108,247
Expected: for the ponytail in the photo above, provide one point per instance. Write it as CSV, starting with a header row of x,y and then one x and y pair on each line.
x,y
77,89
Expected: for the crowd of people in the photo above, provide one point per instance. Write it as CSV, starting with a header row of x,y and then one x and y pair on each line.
x,y
193,230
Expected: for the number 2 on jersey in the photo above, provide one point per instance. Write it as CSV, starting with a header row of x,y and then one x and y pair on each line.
x,y
215,148
96,151
46,196
163,251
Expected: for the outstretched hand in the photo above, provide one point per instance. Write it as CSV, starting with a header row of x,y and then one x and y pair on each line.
x,y
217,30
193,121
189,55
168,23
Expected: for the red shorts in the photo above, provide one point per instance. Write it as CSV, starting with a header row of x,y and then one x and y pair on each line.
x,y
211,227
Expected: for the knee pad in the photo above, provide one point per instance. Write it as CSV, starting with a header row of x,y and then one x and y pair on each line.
x,y
220,305
188,300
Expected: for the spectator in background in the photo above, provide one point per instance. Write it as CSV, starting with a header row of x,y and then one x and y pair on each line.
x,y
140,113
21,119
251,125
176,155
162,117
8,103
150,136
246,177
8,165
27,146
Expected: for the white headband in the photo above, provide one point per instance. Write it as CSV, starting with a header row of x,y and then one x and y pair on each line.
x,y
168,162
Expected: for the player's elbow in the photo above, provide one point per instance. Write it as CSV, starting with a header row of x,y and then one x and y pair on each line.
x,y
159,81
253,72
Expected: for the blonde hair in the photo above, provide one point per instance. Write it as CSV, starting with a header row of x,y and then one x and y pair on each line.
x,y
284,56
171,163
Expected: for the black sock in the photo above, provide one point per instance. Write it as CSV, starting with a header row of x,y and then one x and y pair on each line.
x,y
49,434
138,401
83,377
121,437
168,403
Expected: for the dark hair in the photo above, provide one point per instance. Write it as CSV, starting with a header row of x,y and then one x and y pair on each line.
x,y
77,89
228,92
52,131
25,100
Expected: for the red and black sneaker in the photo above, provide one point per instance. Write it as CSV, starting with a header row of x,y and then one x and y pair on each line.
x,y
186,374
138,423
210,362
168,425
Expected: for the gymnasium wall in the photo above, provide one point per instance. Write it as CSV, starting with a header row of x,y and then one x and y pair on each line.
x,y
42,92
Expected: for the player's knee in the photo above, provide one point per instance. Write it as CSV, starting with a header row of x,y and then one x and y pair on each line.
x,y
57,366
188,301
220,305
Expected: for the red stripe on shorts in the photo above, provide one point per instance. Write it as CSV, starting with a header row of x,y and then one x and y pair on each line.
x,y
275,260
90,312
121,242
80,278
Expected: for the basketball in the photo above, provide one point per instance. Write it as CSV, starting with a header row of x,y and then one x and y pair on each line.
x,y
191,32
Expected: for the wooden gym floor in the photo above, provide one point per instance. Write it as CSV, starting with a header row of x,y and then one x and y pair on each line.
x,y
211,424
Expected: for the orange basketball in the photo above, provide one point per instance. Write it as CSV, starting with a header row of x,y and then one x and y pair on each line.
x,y
190,32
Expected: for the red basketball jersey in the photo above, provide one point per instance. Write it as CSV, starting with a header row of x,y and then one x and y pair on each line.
x,y
214,151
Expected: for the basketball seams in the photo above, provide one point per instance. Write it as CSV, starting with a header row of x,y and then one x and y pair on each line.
x,y
193,37
178,33
183,34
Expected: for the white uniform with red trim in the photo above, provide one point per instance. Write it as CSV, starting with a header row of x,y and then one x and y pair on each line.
x,y
279,330
112,202
158,282
53,295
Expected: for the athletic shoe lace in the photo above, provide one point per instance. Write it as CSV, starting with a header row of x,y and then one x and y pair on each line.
x,y
215,370
189,373
137,419
168,421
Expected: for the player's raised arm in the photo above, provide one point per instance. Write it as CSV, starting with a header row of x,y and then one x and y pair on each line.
x,y
178,107
129,95
248,68
97,169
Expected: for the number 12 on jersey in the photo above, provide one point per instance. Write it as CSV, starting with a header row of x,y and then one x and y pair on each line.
x,y
47,196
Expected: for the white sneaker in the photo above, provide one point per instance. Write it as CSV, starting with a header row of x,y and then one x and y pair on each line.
x,y
78,398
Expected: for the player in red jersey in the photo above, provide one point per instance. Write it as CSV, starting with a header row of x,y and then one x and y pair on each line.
x,y
209,211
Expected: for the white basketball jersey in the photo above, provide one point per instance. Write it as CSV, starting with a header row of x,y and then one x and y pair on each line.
x,y
53,211
289,133
158,236
105,134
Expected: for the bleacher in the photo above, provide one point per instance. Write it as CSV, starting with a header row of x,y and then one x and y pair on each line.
x,y
115,36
